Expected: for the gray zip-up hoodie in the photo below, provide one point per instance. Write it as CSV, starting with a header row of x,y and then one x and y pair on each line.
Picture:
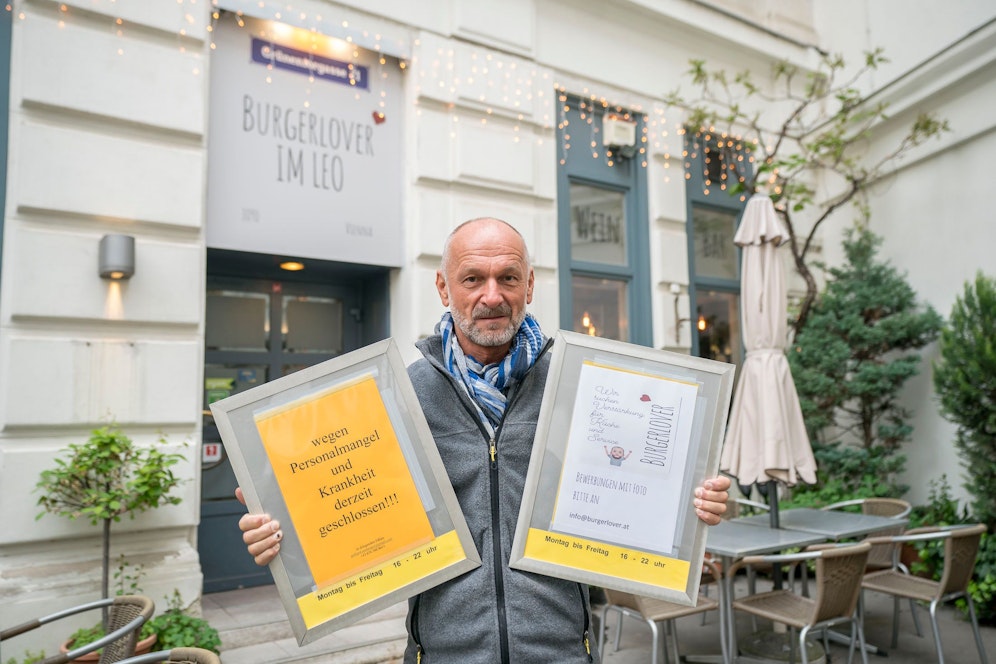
x,y
492,614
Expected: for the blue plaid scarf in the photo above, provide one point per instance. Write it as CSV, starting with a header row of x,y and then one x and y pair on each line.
x,y
487,385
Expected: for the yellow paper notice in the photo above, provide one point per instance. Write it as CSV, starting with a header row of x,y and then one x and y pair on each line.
x,y
607,559
344,479
353,592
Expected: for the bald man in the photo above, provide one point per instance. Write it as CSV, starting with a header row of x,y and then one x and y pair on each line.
x,y
480,385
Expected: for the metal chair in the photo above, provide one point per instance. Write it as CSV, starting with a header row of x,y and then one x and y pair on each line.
x,y
839,571
880,556
961,545
176,656
654,611
126,615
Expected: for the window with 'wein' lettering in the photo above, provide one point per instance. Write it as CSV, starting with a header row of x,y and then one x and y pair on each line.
x,y
603,227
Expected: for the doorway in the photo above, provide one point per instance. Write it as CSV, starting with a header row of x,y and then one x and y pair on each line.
x,y
258,328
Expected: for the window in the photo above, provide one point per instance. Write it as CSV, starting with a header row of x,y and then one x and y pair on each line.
x,y
603,227
714,260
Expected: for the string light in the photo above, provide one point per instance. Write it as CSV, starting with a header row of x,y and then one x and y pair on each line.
x,y
502,84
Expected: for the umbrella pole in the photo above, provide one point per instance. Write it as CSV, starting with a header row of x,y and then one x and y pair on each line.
x,y
773,504
775,523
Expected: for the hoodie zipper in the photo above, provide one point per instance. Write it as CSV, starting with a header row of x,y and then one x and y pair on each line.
x,y
495,504
585,633
413,628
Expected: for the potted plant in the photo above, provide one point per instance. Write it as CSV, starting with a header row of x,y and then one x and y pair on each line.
x,y
175,628
126,579
940,510
106,478
147,639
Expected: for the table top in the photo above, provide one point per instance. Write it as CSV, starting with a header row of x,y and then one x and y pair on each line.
x,y
831,524
735,539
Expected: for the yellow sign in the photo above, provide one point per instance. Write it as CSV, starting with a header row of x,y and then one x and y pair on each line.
x,y
350,593
344,478
607,559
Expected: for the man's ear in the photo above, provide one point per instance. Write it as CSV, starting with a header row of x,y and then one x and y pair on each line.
x,y
444,296
529,287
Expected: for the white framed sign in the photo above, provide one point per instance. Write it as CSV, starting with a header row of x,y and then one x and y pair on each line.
x,y
625,434
304,145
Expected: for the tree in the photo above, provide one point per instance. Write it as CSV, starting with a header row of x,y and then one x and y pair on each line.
x,y
106,478
813,127
851,359
965,380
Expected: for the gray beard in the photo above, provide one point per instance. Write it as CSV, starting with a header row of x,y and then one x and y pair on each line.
x,y
489,338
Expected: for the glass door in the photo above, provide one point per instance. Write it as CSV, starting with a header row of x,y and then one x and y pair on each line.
x,y
255,331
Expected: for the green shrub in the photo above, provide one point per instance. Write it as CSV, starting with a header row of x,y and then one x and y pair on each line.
x,y
850,362
965,380
29,658
942,509
178,629
982,587
85,635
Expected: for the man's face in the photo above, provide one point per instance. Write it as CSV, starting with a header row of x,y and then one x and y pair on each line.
x,y
487,287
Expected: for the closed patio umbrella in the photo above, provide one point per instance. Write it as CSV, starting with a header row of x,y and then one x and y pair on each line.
x,y
766,440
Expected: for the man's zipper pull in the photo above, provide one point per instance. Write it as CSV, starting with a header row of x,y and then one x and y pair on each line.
x,y
494,453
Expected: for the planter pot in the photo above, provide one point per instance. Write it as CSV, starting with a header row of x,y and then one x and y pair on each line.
x,y
908,555
142,647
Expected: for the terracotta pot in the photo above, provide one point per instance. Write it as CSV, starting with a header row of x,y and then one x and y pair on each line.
x,y
908,555
142,647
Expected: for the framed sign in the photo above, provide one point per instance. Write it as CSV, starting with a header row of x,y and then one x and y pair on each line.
x,y
340,453
625,434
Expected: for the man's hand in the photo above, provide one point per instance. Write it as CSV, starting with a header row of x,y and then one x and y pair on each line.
x,y
260,533
710,499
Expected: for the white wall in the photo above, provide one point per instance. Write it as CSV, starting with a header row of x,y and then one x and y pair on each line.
x,y
107,113
935,212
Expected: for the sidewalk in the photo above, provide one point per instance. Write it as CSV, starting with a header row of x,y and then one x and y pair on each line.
x,y
254,630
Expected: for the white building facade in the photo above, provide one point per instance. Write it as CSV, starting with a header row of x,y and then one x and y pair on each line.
x,y
351,137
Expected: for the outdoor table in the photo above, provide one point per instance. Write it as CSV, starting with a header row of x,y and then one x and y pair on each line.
x,y
834,525
732,540
831,524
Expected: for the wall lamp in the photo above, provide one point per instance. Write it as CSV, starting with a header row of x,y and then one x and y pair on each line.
x,y
117,257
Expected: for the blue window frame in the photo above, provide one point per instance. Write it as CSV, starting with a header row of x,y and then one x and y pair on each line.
x,y
713,259
603,225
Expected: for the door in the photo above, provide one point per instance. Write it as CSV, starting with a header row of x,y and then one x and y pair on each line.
x,y
257,330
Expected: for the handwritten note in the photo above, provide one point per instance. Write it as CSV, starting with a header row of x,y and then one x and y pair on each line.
x,y
627,447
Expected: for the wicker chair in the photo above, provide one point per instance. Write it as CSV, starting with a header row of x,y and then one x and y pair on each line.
x,y
176,656
961,545
839,570
126,615
654,611
880,556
